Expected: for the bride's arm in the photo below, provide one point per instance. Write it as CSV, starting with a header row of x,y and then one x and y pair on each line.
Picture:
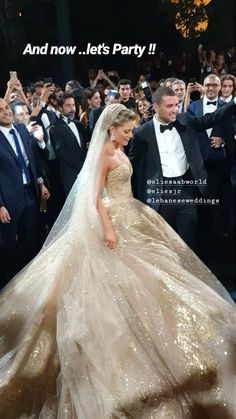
x,y
110,238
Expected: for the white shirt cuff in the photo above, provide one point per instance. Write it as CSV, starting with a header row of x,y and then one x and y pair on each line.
x,y
41,144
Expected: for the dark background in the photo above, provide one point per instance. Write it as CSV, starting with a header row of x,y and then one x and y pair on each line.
x,y
73,22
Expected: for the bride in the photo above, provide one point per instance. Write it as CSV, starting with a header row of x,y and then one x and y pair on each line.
x,y
116,317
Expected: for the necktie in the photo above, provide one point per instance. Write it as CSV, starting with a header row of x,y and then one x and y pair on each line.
x,y
168,126
20,157
211,103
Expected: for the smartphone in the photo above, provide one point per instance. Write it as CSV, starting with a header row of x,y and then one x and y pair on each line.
x,y
144,84
35,102
150,112
13,75
192,80
147,91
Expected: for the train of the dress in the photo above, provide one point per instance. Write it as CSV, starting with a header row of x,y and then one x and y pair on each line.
x,y
138,332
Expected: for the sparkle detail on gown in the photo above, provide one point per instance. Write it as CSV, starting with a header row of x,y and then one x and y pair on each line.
x,y
144,331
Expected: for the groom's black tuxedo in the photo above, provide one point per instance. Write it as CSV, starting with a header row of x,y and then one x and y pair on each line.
x,y
145,157
148,173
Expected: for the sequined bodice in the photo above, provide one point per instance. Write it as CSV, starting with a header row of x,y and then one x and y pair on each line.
x,y
118,182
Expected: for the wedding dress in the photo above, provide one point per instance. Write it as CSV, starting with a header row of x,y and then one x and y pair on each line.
x,y
144,331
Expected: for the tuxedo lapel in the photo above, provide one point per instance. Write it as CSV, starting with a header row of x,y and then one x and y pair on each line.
x,y
81,135
153,143
68,133
184,132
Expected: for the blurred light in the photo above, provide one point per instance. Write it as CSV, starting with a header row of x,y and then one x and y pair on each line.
x,y
191,32
201,2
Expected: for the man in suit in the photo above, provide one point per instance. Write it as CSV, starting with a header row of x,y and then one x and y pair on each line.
x,y
167,162
212,147
179,88
21,115
19,195
47,119
69,139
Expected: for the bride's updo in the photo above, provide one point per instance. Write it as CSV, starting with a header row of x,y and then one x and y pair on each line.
x,y
125,115
113,115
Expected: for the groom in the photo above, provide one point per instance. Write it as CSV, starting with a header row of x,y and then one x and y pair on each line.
x,y
167,163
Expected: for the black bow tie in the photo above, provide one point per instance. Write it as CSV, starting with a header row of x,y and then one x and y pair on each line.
x,y
168,126
211,103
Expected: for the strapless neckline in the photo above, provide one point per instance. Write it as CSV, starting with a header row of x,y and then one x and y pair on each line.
x,y
118,167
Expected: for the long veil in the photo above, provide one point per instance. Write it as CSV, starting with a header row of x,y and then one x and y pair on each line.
x,y
38,290
90,333
81,202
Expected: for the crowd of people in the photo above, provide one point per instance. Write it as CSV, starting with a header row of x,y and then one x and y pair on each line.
x,y
45,132
116,316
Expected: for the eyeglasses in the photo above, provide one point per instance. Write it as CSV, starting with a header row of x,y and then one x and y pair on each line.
x,y
215,85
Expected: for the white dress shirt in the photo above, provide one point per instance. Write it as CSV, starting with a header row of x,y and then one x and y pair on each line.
x,y
172,154
209,109
46,124
181,107
10,139
73,128
227,100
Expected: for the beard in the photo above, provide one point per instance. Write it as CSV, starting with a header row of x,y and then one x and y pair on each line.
x,y
70,115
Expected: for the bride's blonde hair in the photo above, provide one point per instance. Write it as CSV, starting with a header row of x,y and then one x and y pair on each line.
x,y
124,116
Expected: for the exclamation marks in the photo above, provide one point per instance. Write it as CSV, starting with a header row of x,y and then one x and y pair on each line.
x,y
152,49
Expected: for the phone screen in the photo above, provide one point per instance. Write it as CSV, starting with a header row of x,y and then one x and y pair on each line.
x,y
144,84
35,102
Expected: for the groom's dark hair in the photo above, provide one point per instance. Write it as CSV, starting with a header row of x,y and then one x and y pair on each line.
x,y
160,92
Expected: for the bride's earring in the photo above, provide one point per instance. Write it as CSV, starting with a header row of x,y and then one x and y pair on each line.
x,y
113,137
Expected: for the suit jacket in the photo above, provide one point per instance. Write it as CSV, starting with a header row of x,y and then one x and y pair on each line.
x,y
11,185
145,158
41,157
208,153
93,117
70,155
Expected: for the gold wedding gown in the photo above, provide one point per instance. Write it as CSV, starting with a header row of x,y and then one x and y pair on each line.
x,y
144,331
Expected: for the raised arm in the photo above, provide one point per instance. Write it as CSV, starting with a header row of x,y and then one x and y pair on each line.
x,y
109,235
211,119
